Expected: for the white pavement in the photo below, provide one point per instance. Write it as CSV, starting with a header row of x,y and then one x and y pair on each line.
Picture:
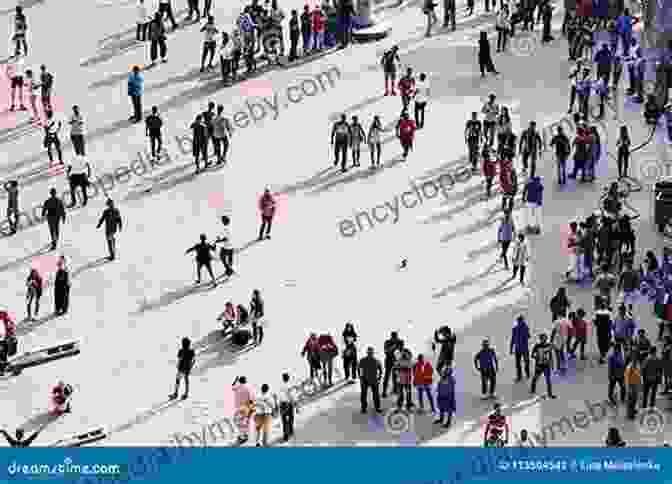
x,y
311,277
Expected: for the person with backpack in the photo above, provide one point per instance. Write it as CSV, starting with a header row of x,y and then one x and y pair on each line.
x,y
341,134
112,219
560,142
390,61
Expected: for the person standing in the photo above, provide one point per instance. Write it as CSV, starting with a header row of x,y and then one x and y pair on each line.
x,y
186,358
404,371
533,195
112,219
546,12
623,144
370,372
429,10
486,364
530,147
503,26
54,211
319,22
226,251
14,72
616,373
244,407
12,189
267,210
207,7
136,83
257,310
306,29
208,117
52,128
520,347
142,21
447,341
20,30
166,9
406,88
79,173
263,418
391,346
221,135
406,132
294,35
288,406
357,137
61,288
449,14
34,285
199,139
193,9
445,396
33,88
203,258
485,55
390,60
350,353
210,31
521,255
46,84
604,326
563,149
422,379
341,134
157,37
153,125
374,141
505,234
421,98
226,52
473,133
76,123
542,353
491,112
633,383
346,11
652,372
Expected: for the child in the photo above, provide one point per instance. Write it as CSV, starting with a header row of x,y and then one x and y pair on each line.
x,y
356,139
520,258
186,358
33,293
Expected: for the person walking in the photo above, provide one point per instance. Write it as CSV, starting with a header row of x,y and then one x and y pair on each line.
x,y
503,27
207,7
20,30
652,372
429,9
357,137
531,148
374,140
76,123
350,353
15,73
226,251
633,383
520,341
403,368
406,128
370,372
32,86
257,311
143,21
186,359
226,53
52,128
221,135
193,9
136,83
490,111
485,55
157,37
623,144
112,219
46,85
616,373
486,364
267,211
560,142
542,353
199,140
166,9
208,117
34,285
61,288
263,418
203,251
391,347
288,406
473,135
505,235
79,173
489,167
421,97
54,211
521,255
12,189
406,87
209,31
153,126
422,379
244,400
446,339
449,14
533,196
294,36
604,326
341,134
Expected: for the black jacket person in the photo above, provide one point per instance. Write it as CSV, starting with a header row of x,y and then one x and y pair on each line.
x,y
112,219
54,211
340,139
203,258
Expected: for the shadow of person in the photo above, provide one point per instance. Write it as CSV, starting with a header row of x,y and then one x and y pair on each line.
x,y
19,262
39,421
146,415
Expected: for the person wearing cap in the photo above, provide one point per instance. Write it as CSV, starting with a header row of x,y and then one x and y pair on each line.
x,y
54,211
79,172
370,372
485,362
112,219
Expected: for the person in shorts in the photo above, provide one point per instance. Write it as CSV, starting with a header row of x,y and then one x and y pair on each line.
x,y
186,358
15,74
389,61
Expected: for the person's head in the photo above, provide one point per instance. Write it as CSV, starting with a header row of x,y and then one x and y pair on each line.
x,y
211,106
19,434
186,343
109,203
211,19
43,68
355,120
626,12
474,115
228,304
52,192
521,237
242,380
573,226
203,237
404,114
497,408
520,319
492,98
394,335
605,268
198,118
581,313
523,435
423,76
50,114
421,358
543,338
485,343
369,351
624,130
19,10
533,124
294,13
621,310
613,435
29,73
285,377
136,69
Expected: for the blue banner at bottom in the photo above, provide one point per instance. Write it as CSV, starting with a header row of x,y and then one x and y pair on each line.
x,y
335,465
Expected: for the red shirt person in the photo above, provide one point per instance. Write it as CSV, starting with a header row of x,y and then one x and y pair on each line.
x,y
267,209
405,132
407,87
